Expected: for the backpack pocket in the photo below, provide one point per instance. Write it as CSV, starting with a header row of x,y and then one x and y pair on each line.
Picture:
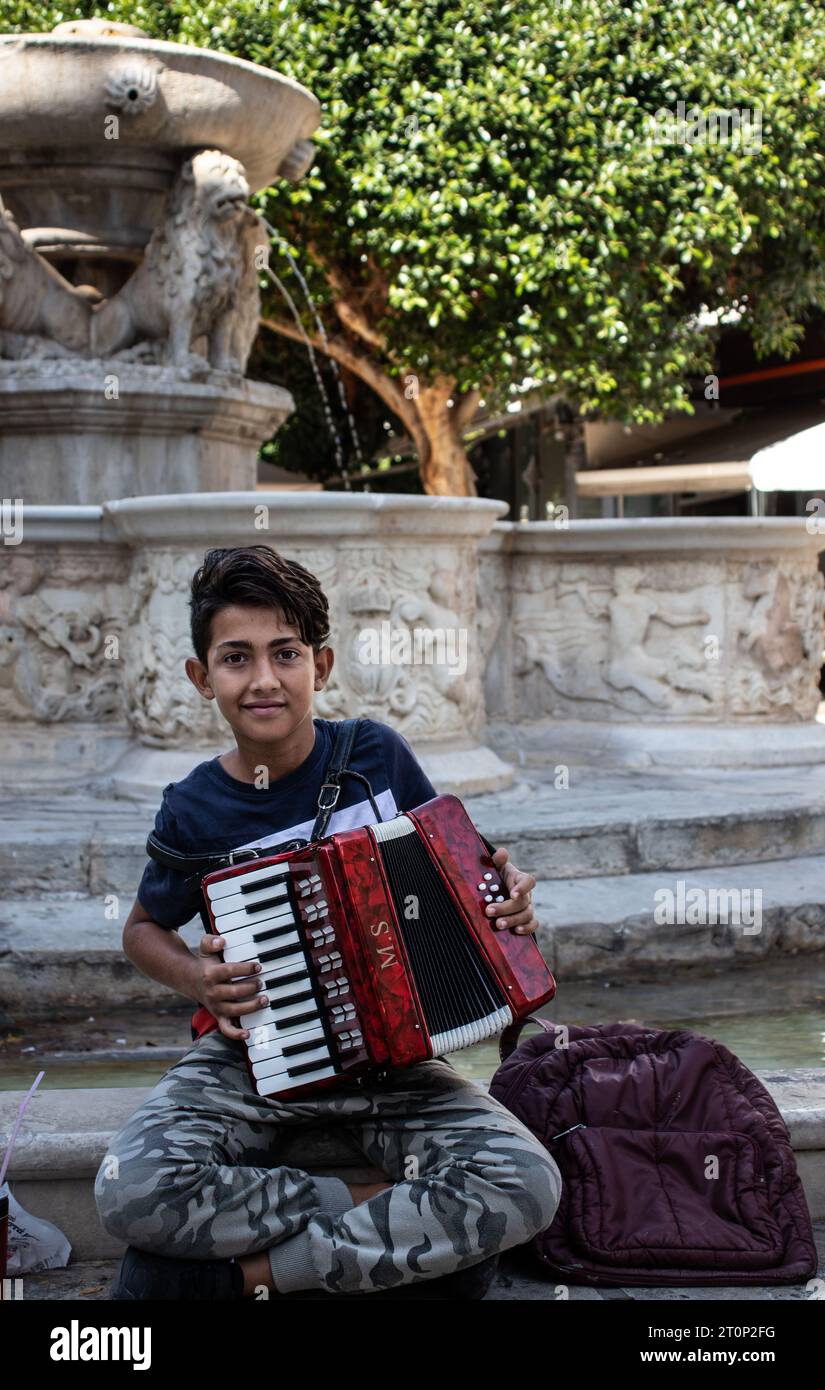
x,y
666,1199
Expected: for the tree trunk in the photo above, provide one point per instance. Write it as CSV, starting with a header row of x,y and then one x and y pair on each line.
x,y
435,429
445,470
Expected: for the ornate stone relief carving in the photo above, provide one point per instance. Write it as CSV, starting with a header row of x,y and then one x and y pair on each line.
x,y
427,685
777,616
61,627
164,708
689,640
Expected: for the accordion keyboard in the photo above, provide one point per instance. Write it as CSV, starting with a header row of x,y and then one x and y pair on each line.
x,y
271,916
374,950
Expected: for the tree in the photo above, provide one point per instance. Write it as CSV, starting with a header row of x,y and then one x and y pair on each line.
x,y
495,197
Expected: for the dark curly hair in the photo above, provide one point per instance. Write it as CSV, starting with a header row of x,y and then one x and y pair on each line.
x,y
256,575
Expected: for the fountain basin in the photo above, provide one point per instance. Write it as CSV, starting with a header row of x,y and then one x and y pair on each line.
x,y
115,578
93,130
677,642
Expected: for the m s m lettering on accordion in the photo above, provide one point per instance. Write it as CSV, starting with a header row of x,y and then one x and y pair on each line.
x,y
375,950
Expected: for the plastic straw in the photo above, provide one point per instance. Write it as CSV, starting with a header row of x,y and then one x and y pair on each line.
x,y
24,1102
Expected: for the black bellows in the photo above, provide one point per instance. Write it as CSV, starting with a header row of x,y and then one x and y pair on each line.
x,y
455,985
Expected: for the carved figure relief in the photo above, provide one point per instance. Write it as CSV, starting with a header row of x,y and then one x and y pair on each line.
x,y
196,286
40,312
164,708
400,651
629,665
594,637
779,633
198,277
57,661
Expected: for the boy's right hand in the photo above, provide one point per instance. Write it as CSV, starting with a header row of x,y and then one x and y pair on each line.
x,y
220,988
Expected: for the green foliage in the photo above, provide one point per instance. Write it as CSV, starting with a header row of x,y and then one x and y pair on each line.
x,y
486,177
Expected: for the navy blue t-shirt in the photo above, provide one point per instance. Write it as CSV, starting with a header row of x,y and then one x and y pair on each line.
x,y
210,812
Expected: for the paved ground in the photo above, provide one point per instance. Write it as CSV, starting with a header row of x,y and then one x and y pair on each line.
x,y
520,1280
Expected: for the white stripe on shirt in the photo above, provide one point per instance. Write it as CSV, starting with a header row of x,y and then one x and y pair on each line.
x,y
347,819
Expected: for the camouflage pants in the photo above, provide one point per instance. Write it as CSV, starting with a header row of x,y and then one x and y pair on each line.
x,y
191,1175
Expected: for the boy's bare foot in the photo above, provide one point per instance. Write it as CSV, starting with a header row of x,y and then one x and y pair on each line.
x,y
362,1191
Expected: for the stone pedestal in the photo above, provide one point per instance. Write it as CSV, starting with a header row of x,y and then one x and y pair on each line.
x,y
83,433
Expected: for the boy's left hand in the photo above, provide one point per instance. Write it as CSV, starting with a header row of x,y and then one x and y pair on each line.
x,y
516,911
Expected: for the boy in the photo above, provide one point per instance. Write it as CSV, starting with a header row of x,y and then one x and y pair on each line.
x,y
189,1181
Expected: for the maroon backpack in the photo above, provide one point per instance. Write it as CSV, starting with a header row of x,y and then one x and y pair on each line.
x,y
676,1164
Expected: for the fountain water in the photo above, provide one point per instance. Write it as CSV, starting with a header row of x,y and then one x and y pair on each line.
x,y
319,381
322,333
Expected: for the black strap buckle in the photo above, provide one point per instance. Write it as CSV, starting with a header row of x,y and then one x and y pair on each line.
x,y
240,856
323,803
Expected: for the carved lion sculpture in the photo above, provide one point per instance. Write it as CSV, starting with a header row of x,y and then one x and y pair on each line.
x,y
198,278
37,306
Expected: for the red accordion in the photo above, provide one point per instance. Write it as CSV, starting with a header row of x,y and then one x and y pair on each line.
x,y
375,949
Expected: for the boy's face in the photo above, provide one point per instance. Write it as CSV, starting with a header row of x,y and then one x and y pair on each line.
x,y
260,672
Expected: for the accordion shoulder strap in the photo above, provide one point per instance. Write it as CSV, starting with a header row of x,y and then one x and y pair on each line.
x,y
337,768
508,1041
196,865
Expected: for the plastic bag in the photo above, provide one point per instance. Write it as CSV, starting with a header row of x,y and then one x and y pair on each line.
x,y
34,1244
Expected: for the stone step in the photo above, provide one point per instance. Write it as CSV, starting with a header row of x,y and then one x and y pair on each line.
x,y
64,951
627,823
603,824
606,925
66,1132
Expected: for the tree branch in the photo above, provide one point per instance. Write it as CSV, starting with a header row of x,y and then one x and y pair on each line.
x,y
350,316
466,407
354,320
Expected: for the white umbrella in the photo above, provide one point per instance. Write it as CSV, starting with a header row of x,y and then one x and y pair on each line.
x,y
795,464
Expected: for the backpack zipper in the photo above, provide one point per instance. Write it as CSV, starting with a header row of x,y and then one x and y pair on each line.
x,y
522,1076
562,1132
518,1082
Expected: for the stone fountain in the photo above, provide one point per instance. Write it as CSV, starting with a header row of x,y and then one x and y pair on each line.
x,y
128,261
129,433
